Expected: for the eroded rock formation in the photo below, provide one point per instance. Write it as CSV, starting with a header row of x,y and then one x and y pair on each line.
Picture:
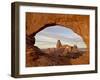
x,y
36,22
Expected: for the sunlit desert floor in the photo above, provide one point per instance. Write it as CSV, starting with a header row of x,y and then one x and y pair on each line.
x,y
54,57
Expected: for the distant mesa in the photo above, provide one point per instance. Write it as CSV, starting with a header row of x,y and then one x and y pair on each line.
x,y
67,48
59,45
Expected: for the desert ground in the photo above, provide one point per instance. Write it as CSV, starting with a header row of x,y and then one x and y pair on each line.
x,y
61,55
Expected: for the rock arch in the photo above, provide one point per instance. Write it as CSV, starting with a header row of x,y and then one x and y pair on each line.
x,y
35,22
38,21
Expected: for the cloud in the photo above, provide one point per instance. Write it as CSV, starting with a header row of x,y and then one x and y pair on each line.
x,y
56,36
52,34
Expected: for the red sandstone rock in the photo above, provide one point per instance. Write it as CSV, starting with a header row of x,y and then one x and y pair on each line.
x,y
37,21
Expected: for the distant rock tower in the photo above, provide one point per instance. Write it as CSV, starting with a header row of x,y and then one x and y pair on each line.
x,y
58,45
75,48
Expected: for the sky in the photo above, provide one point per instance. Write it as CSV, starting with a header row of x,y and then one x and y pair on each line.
x,y
48,37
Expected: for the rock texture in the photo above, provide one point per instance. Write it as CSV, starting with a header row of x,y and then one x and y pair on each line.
x,y
58,45
52,56
36,22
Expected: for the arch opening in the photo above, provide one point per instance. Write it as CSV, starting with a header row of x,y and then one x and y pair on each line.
x,y
51,33
56,42
56,54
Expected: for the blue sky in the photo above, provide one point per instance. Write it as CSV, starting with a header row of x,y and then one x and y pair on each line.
x,y
48,37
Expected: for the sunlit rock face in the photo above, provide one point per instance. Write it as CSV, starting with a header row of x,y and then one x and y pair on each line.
x,y
78,23
36,22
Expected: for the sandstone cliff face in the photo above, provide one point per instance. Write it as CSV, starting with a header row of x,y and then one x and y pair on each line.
x,y
78,23
36,22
